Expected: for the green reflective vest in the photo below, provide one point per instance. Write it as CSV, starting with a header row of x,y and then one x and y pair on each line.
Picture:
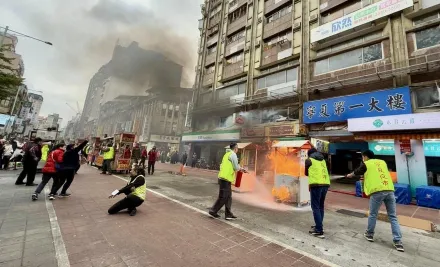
x,y
109,154
318,173
377,178
141,191
227,169
44,152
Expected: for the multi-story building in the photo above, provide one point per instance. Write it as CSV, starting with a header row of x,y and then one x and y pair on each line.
x,y
34,111
260,62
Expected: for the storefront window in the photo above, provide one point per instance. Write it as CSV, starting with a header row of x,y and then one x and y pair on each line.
x,y
428,38
427,97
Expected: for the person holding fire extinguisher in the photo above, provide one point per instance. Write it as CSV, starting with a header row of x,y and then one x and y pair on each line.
x,y
228,169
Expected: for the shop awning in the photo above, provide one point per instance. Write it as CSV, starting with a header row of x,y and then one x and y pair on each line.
x,y
241,145
403,136
293,143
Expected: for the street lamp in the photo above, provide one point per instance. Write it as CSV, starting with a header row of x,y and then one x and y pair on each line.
x,y
6,29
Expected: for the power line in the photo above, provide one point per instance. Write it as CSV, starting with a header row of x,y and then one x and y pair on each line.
x,y
25,35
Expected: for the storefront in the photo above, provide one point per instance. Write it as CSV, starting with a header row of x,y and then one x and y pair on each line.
x,y
210,146
413,139
164,142
327,120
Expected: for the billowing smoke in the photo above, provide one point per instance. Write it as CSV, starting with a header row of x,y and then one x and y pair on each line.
x,y
85,32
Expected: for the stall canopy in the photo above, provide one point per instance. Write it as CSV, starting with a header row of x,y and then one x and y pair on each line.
x,y
241,145
293,143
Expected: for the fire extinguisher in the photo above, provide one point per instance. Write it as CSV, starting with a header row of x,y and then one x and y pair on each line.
x,y
238,177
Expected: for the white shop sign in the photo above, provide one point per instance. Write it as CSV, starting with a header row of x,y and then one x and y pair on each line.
x,y
360,17
418,121
164,138
215,136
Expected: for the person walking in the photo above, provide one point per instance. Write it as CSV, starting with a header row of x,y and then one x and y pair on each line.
x,y
144,156
226,175
135,154
152,157
7,155
68,168
32,155
194,160
184,159
51,169
109,155
135,192
319,182
379,186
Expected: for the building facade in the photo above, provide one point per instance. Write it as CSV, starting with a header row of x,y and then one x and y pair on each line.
x,y
261,57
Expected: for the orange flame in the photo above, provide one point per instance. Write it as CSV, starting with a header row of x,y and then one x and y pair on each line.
x,y
285,161
282,194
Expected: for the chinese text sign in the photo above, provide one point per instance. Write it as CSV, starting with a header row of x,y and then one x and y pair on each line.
x,y
380,103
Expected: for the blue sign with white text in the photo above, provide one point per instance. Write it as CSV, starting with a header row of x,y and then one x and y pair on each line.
x,y
380,103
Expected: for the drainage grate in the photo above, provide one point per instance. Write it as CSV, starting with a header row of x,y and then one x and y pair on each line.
x,y
352,213
153,187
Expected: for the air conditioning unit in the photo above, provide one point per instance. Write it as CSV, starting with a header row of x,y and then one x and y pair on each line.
x,y
296,25
313,18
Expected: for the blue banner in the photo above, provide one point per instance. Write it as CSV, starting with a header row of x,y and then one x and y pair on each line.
x,y
432,148
382,148
380,103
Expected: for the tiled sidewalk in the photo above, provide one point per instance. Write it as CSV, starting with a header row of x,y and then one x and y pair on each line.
x,y
163,233
25,229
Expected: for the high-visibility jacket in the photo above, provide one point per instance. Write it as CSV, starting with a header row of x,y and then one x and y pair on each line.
x,y
109,154
377,178
44,152
318,173
141,191
227,171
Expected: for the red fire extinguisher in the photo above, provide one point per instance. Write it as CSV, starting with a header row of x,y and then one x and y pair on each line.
x,y
238,177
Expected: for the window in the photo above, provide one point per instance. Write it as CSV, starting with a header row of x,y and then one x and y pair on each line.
x,y
209,70
227,92
164,109
427,97
279,14
211,50
279,39
427,38
216,10
234,59
223,121
235,37
350,43
348,59
278,78
235,15
429,3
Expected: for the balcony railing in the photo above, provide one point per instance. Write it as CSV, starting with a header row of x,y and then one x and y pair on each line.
x,y
237,25
208,79
236,5
210,59
235,47
277,26
277,52
271,5
232,70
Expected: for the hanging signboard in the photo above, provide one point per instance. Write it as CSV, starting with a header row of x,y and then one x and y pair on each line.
x,y
362,16
405,146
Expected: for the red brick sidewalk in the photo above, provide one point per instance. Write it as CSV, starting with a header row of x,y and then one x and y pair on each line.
x,y
163,233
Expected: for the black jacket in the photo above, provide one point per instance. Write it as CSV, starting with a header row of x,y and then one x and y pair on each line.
x,y
184,158
317,156
140,181
71,157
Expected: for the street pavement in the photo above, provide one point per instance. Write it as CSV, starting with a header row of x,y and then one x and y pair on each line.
x,y
344,244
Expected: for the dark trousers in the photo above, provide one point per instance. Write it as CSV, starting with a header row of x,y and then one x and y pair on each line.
x,y
44,180
224,197
106,166
6,162
151,167
317,196
130,202
193,163
143,162
66,179
29,170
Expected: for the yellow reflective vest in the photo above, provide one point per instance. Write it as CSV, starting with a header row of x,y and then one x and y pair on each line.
x,y
44,152
109,154
377,178
318,173
227,171
141,191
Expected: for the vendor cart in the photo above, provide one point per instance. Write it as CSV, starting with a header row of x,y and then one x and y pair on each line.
x,y
122,140
290,183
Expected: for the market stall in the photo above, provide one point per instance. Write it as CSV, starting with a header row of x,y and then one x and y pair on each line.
x,y
121,164
100,157
290,184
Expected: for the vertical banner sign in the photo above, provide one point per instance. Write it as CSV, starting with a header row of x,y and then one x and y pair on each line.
x,y
405,146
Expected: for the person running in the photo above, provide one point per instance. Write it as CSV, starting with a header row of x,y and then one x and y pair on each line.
x,y
319,182
379,186
70,163
32,155
135,192
51,169
152,158
228,170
